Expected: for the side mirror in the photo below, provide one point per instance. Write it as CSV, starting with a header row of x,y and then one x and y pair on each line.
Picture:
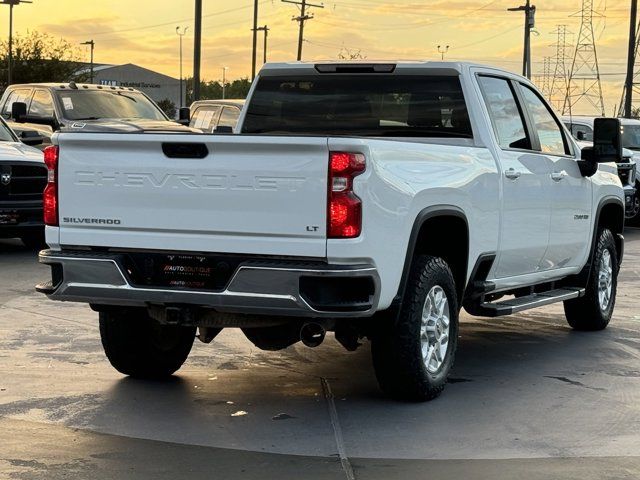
x,y
184,116
607,146
580,136
607,140
31,137
19,112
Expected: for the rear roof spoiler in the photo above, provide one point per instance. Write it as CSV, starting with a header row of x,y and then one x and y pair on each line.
x,y
355,67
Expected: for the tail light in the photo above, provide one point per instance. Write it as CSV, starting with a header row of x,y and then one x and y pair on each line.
x,y
344,210
50,195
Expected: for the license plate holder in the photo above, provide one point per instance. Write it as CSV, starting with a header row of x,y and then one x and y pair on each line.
x,y
185,271
9,217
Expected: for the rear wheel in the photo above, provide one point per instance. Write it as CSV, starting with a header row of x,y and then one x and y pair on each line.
x,y
138,346
413,354
593,311
34,240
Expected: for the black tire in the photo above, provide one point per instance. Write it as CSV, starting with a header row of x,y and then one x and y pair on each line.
x,y
587,313
634,221
396,346
138,346
34,241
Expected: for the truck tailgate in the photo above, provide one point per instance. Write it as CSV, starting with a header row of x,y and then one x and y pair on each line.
x,y
249,194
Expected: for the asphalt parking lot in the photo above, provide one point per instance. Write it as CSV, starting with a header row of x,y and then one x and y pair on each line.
x,y
528,398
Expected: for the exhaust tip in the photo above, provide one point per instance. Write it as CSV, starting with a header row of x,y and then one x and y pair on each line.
x,y
312,334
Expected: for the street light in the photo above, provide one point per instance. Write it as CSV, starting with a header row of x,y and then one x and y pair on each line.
x,y
93,44
224,80
184,32
11,4
443,51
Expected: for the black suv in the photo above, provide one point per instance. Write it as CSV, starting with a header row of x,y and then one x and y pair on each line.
x,y
23,176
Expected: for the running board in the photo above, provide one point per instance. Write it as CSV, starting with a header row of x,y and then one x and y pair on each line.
x,y
514,305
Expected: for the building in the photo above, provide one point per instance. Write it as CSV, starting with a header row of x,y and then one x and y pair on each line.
x,y
156,85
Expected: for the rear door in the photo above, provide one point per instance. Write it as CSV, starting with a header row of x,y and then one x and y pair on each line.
x,y
248,194
526,202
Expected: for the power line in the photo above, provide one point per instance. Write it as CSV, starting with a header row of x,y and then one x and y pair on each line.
x,y
172,22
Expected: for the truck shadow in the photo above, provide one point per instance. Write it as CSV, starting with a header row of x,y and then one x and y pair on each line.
x,y
499,363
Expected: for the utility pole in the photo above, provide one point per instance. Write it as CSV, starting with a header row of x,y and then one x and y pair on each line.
x,y
11,4
631,60
443,51
255,39
224,81
93,45
303,17
197,50
529,22
184,32
264,29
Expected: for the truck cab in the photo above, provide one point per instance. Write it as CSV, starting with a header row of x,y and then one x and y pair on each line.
x,y
51,107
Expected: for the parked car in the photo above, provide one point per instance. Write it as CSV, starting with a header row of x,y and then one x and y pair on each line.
x,y
208,115
582,129
23,177
371,200
49,107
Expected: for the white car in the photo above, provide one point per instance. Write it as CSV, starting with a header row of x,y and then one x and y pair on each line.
x,y
23,177
581,128
371,200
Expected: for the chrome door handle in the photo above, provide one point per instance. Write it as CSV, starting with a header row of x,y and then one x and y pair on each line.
x,y
557,176
512,174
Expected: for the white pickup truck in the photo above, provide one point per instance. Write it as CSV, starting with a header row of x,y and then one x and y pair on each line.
x,y
370,200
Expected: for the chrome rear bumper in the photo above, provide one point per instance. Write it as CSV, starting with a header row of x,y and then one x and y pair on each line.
x,y
255,287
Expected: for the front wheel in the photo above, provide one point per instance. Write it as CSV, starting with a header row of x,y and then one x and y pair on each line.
x,y
413,354
632,214
138,346
593,311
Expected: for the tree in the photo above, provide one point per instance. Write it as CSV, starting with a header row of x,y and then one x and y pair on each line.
x,y
212,90
168,107
347,54
39,57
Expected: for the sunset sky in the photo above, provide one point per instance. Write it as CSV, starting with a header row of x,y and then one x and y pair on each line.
x,y
143,32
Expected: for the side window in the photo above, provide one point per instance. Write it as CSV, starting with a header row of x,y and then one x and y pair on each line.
x,y
41,104
205,118
582,132
229,117
549,131
20,95
504,112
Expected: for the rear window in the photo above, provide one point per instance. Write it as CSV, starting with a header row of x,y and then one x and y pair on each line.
x,y
362,105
